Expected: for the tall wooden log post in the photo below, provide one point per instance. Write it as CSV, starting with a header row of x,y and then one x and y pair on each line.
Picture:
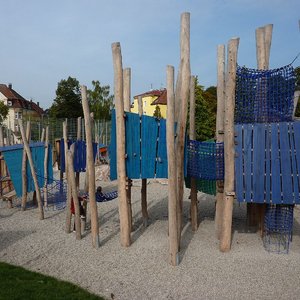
x,y
220,132
172,172
144,180
263,46
1,137
24,167
43,135
120,131
72,183
181,101
127,96
69,189
46,166
90,168
33,173
78,139
194,201
229,151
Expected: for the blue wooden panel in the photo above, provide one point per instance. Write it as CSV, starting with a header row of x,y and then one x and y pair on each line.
x,y
275,165
296,126
285,161
248,145
294,165
149,134
162,157
113,147
258,163
268,164
132,145
238,164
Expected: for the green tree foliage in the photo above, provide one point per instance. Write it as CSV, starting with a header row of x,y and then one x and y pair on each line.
x,y
157,112
3,112
67,103
101,102
206,110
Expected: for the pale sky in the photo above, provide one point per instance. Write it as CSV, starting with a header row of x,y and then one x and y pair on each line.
x,y
43,41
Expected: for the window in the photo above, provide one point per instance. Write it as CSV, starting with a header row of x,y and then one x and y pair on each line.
x,y
18,115
145,103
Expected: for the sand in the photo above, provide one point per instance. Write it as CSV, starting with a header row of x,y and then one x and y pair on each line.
x,y
142,271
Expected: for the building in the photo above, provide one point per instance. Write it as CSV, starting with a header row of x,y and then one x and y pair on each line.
x,y
151,100
19,107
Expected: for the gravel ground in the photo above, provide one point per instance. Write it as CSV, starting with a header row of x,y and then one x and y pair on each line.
x,y
142,270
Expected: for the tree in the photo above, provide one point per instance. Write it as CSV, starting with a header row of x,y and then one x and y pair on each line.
x,y
100,101
3,112
67,103
157,112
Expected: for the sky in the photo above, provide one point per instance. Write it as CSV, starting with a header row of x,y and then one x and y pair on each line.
x,y
43,42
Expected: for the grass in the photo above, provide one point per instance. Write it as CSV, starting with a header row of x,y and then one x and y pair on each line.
x,y
18,283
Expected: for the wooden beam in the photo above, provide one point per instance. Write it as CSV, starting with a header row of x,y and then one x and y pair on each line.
x,y
229,152
120,131
219,135
33,173
90,168
172,172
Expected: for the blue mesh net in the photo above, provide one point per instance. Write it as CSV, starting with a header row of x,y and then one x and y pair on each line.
x,y
205,160
264,96
278,228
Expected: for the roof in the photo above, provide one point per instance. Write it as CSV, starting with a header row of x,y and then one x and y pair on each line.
x,y
156,93
162,98
18,101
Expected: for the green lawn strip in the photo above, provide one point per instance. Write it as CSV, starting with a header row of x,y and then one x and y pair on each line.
x,y
19,283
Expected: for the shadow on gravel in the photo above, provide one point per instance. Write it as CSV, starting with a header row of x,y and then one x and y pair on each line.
x,y
8,238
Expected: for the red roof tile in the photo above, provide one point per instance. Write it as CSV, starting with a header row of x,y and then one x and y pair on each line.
x,y
150,93
162,98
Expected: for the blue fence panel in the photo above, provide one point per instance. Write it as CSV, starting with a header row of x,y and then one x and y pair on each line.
x,y
162,157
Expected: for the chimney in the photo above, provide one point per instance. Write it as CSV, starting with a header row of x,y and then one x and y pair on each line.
x,y
38,104
10,86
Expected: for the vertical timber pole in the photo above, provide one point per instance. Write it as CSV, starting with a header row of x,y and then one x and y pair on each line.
x,y
172,172
229,150
220,133
194,204
90,168
33,173
127,95
24,167
181,99
120,128
144,180
46,166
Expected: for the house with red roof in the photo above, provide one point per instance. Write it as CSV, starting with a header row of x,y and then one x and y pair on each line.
x,y
150,101
19,107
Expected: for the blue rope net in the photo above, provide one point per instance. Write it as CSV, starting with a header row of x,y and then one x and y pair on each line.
x,y
205,160
264,96
278,228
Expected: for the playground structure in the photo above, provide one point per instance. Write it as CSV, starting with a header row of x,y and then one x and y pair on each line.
x,y
254,159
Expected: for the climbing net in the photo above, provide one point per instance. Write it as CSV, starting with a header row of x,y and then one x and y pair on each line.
x,y
264,96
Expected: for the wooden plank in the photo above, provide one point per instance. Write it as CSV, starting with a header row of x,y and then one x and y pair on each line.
x,y
275,165
258,163
285,161
295,176
248,132
162,159
268,164
239,178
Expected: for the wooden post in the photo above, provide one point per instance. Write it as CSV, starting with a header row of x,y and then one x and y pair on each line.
x,y
37,189
24,173
172,172
182,95
120,128
69,190
46,166
1,137
220,133
78,139
43,135
90,168
229,152
127,96
194,204
144,180
72,182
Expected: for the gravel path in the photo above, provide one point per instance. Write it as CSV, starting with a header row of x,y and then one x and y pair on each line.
x,y
142,270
